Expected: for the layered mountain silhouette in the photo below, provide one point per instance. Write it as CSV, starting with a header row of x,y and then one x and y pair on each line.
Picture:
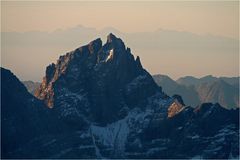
x,y
219,91
192,81
171,87
31,86
99,102
194,91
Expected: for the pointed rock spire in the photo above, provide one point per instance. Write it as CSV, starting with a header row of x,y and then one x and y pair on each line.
x,y
50,70
138,62
95,45
114,42
111,38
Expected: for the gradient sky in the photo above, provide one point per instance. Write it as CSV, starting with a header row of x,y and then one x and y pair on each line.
x,y
219,18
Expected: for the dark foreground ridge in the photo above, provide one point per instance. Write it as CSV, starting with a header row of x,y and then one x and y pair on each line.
x,y
99,102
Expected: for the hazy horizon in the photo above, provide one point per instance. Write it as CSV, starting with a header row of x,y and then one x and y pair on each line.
x,y
172,38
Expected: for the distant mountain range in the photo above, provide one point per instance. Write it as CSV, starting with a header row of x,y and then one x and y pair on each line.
x,y
98,102
192,81
194,91
31,86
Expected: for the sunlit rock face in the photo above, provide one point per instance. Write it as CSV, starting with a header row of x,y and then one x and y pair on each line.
x,y
97,80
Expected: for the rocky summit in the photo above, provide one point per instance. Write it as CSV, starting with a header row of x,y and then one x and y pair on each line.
x,y
98,81
99,102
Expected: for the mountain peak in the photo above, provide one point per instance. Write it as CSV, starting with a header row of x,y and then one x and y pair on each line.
x,y
114,42
95,45
138,62
93,73
111,37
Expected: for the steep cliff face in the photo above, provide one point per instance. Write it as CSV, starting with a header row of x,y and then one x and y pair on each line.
x,y
97,81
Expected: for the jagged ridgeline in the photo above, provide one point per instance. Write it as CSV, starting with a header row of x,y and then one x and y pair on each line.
x,y
99,102
99,81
